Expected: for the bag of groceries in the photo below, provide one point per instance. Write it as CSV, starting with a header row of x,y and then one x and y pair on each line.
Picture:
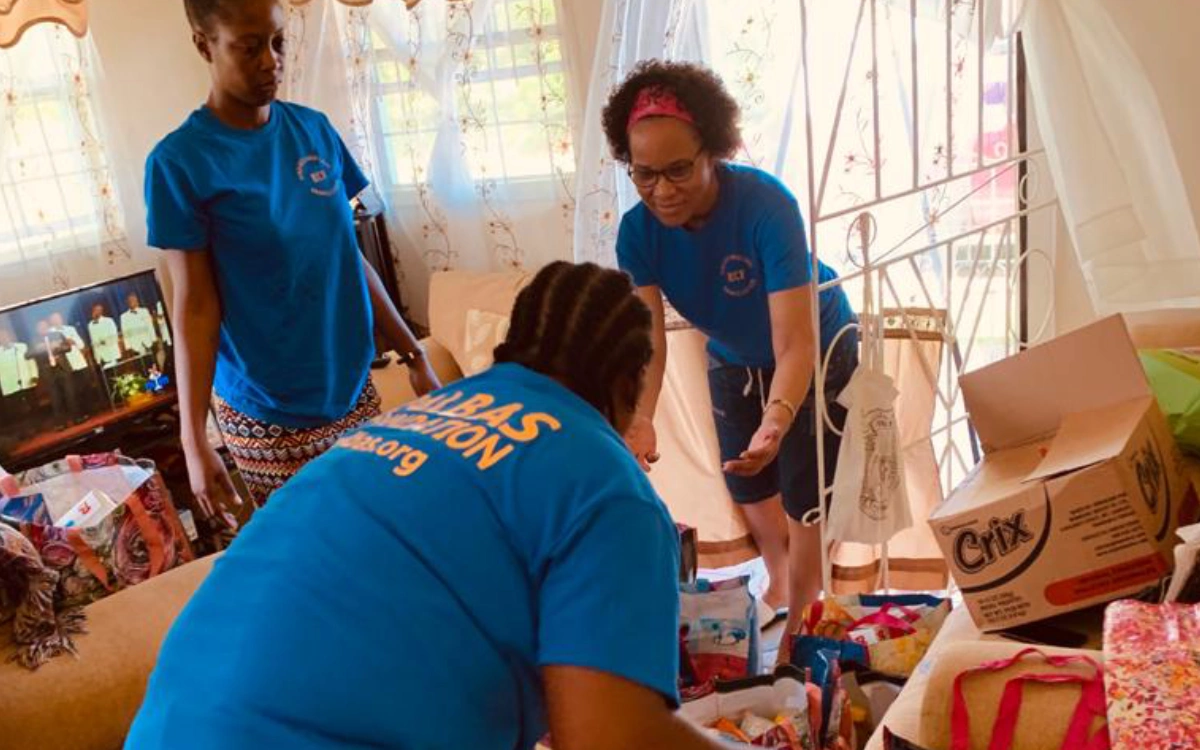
x,y
774,711
718,634
888,633
100,523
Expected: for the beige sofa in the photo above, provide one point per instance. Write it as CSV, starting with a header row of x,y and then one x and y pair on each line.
x,y
87,703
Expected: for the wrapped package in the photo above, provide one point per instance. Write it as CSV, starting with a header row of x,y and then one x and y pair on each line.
x,y
1152,652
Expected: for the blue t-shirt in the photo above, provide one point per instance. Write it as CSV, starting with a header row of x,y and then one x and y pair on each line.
x,y
719,276
272,206
405,588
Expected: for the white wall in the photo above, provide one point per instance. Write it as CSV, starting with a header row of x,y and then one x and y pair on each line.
x,y
152,79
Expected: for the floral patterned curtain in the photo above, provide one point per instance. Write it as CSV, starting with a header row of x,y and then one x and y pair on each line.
x,y
458,110
61,224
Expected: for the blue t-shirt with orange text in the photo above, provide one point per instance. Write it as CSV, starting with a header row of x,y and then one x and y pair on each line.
x,y
406,587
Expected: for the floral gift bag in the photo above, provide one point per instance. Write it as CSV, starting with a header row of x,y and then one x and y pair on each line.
x,y
1153,657
101,523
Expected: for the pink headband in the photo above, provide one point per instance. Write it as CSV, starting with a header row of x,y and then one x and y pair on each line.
x,y
656,101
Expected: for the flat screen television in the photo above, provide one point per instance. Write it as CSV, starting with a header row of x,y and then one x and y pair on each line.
x,y
80,362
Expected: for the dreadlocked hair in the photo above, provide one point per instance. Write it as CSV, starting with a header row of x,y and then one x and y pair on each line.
x,y
584,326
201,13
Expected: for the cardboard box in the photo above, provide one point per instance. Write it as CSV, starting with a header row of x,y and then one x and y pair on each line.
x,y
1081,488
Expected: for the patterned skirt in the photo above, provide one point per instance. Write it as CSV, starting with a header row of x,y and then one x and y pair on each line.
x,y
268,455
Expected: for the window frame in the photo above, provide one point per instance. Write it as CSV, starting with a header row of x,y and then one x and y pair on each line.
x,y
487,41
65,235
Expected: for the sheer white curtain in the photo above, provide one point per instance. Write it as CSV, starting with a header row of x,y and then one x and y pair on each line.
x,y
459,112
328,68
1110,80
61,223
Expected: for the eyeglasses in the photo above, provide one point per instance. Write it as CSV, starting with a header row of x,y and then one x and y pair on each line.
x,y
680,171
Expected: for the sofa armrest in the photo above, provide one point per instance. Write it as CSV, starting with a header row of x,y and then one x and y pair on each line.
x,y
392,381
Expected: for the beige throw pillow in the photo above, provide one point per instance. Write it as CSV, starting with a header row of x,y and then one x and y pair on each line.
x,y
483,332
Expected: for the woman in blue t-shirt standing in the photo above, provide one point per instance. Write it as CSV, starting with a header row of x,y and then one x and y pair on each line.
x,y
725,244
273,304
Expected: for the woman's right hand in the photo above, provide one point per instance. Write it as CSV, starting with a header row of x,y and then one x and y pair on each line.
x,y
643,441
211,483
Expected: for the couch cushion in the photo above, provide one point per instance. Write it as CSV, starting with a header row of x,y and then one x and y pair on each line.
x,y
453,294
88,703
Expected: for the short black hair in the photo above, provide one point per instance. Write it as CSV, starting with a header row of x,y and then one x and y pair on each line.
x,y
586,327
201,13
698,89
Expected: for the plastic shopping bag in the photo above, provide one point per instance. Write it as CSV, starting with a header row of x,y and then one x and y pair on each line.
x,y
719,639
102,523
766,711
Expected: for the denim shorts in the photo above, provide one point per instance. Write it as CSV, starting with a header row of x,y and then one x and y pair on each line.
x,y
738,394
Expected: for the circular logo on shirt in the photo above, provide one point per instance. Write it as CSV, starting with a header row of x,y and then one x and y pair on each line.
x,y
737,275
317,173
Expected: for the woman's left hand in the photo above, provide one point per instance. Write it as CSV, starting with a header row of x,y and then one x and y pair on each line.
x,y
763,448
422,377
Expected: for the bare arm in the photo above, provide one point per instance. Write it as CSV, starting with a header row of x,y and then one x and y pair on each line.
x,y
590,709
652,296
387,318
197,311
641,437
398,335
792,342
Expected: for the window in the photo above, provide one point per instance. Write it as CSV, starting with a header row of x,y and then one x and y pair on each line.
x,y
56,191
507,98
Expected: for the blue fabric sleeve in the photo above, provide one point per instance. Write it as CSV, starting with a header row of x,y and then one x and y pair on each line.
x,y
175,217
783,247
625,551
353,179
632,252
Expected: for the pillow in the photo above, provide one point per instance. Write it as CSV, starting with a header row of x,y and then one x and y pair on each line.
x,y
453,293
483,332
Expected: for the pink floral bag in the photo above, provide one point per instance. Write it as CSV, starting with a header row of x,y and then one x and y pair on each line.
x,y
1153,657
102,523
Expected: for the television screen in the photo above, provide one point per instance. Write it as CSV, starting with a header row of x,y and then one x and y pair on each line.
x,y
81,361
